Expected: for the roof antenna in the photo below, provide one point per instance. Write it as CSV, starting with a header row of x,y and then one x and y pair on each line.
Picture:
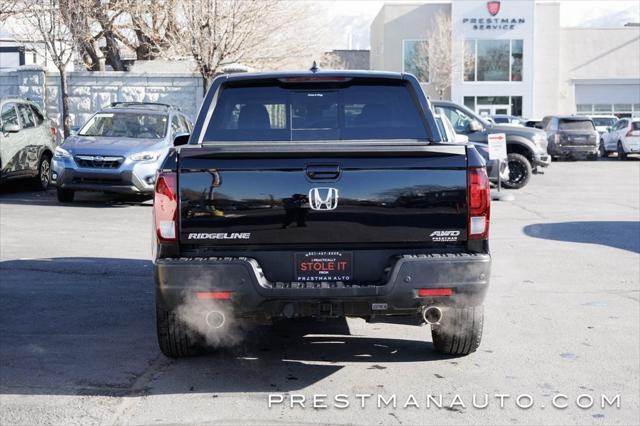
x,y
314,67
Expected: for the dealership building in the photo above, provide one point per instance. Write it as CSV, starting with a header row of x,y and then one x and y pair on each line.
x,y
511,57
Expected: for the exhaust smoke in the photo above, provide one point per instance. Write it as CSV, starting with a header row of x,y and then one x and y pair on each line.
x,y
211,320
215,319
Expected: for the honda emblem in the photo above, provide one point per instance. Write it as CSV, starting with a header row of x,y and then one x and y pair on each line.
x,y
323,198
493,7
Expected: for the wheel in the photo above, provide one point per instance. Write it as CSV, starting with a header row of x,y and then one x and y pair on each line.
x,y
174,338
459,331
44,172
65,195
519,171
621,154
602,150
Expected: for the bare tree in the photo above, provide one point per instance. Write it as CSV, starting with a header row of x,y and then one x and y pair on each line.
x,y
435,58
7,8
220,32
154,24
78,16
50,35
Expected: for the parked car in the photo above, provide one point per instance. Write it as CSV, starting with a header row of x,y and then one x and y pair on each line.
x,y
449,134
603,122
571,137
27,141
341,202
507,119
623,137
118,150
526,147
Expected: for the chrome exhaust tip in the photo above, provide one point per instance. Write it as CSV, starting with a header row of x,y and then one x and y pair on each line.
x,y
215,319
432,315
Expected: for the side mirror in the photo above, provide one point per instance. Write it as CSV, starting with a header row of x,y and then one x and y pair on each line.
x,y
74,130
181,139
10,128
610,128
475,126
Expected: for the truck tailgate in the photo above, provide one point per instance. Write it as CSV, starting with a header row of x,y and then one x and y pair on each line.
x,y
322,195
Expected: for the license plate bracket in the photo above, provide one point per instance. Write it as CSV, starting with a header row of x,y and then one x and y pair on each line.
x,y
324,266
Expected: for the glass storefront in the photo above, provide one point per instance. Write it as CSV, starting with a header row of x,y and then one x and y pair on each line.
x,y
415,59
492,105
493,60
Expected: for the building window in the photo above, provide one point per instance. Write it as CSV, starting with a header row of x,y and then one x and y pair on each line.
x,y
516,106
619,110
490,105
470,60
584,108
603,108
493,60
415,59
470,102
516,60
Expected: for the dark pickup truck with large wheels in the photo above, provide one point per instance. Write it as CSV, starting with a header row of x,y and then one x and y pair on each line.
x,y
314,195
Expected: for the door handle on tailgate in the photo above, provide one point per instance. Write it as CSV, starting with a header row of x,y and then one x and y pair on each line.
x,y
323,172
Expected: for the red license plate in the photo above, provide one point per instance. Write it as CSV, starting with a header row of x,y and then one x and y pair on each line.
x,y
324,266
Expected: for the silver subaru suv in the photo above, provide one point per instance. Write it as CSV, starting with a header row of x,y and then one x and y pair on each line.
x,y
118,149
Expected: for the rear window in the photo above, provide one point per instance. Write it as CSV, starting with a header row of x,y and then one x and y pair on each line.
x,y
575,125
357,111
635,125
604,121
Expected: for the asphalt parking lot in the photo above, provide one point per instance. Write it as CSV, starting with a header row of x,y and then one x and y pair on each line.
x,y
562,317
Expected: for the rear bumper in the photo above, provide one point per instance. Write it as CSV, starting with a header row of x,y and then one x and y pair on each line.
x,y
631,145
577,151
254,297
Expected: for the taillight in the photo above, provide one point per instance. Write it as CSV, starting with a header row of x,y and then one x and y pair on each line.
x,y
54,132
213,295
556,138
428,292
315,79
479,203
633,132
165,206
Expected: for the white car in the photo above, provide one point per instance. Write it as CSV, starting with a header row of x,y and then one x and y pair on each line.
x,y
623,138
603,122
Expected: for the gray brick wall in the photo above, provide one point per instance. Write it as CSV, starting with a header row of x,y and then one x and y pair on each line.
x,y
90,91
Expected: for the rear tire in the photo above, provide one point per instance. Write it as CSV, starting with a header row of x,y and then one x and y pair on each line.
x,y
603,150
65,195
459,331
44,172
519,171
174,338
621,154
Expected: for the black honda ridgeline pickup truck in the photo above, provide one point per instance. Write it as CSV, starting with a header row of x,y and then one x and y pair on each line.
x,y
314,195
